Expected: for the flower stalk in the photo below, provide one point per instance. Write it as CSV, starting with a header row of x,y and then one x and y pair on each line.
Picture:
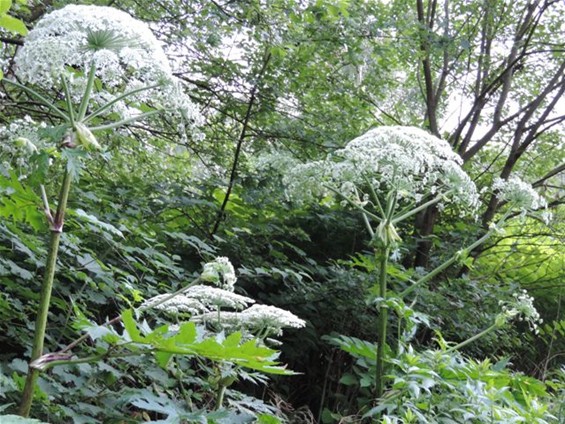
x,y
382,323
56,227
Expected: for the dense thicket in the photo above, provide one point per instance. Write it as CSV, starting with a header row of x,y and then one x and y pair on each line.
x,y
280,83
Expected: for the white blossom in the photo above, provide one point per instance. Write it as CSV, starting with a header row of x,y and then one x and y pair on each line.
x,y
213,296
123,51
521,308
263,320
198,299
176,304
520,195
74,37
270,319
220,272
406,160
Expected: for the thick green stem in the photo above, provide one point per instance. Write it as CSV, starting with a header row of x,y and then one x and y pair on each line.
x,y
355,205
417,209
45,295
382,323
220,396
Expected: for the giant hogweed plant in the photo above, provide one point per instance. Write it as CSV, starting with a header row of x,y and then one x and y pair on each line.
x,y
91,70
389,175
205,319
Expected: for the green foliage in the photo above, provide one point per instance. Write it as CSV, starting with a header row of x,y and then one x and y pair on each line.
x,y
184,342
435,386
9,22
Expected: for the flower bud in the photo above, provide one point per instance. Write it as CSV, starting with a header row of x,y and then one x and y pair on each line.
x,y
85,138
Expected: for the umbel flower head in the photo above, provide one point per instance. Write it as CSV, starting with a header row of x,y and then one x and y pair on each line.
x,y
520,195
77,36
405,160
125,55
265,320
198,299
521,308
220,272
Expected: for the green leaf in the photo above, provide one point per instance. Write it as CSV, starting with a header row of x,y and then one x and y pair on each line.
x,y
5,6
348,379
163,358
187,333
13,24
232,340
268,419
131,326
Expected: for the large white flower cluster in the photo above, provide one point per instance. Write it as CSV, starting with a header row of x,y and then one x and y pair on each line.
x,y
66,40
124,52
406,160
198,299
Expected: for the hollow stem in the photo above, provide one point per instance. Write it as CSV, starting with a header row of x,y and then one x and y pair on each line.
x,y
382,323
45,295
125,121
453,259
417,209
220,396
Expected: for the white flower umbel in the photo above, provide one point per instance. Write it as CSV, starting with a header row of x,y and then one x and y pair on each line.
x,y
175,305
405,160
521,308
68,43
74,37
218,298
520,195
270,319
220,272
198,299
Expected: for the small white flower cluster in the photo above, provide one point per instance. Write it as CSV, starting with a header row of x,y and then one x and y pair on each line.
x,y
522,307
271,317
407,160
124,52
220,272
19,140
261,319
520,195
